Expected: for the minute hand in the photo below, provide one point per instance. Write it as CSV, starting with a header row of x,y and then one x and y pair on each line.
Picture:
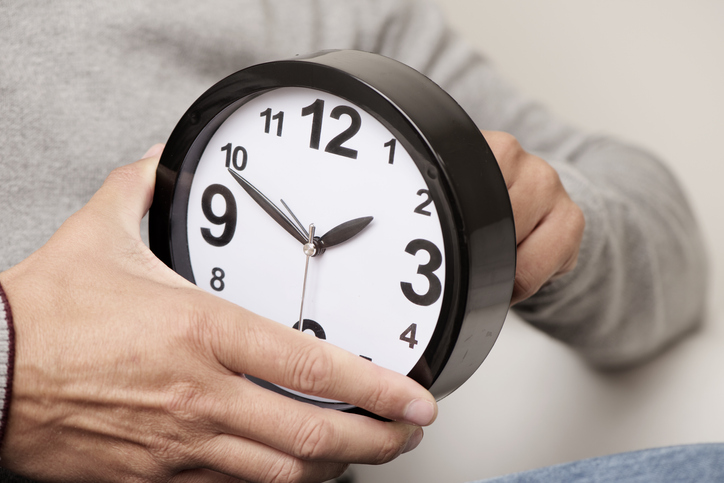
x,y
266,204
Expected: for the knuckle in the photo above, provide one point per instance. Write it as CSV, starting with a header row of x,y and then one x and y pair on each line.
x,y
525,285
167,448
570,265
314,439
571,234
577,220
188,403
195,327
337,469
389,450
186,406
504,144
312,370
576,226
377,399
547,177
286,470
124,174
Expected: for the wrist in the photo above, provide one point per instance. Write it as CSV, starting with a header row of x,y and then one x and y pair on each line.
x,y
7,358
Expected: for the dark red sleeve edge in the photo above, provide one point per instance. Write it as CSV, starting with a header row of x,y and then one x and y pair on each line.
x,y
11,364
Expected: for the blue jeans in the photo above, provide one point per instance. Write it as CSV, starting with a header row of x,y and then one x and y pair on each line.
x,y
698,463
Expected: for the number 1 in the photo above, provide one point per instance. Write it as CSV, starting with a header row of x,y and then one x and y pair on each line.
x,y
316,109
391,144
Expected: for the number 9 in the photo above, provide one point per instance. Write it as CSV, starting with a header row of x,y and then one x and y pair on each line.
x,y
228,218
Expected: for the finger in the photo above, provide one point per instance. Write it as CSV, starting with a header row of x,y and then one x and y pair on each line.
x,y
283,356
507,151
119,206
304,430
249,460
549,251
531,182
154,151
202,475
534,193
126,195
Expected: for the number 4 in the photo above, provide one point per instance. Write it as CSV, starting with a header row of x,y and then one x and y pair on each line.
x,y
409,335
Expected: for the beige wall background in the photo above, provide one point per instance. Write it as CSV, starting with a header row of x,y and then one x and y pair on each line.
x,y
650,72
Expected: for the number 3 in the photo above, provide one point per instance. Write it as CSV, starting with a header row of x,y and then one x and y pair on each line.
x,y
433,293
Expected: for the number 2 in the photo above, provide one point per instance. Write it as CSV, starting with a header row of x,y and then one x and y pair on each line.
x,y
335,145
421,208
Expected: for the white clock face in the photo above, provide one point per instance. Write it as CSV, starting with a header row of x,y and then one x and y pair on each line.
x,y
378,294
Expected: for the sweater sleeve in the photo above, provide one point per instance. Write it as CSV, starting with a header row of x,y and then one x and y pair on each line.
x,y
640,282
6,360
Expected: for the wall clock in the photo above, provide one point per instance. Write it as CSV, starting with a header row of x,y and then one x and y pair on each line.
x,y
346,195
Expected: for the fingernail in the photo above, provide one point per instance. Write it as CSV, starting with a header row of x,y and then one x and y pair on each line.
x,y
414,440
154,150
420,412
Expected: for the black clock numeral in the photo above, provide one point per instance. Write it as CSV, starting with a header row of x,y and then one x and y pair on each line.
x,y
409,335
316,109
392,143
232,156
427,270
312,325
217,279
228,218
335,146
420,209
278,117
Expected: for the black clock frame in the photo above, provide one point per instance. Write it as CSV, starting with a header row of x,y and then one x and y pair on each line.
x,y
456,162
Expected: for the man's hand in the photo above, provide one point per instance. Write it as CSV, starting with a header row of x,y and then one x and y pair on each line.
x,y
124,371
548,224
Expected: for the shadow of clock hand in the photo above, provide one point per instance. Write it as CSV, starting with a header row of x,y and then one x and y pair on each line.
x,y
271,209
343,232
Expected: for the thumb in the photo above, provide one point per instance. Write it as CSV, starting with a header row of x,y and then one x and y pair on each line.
x,y
154,151
127,193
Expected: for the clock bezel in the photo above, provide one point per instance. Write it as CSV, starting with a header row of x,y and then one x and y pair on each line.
x,y
411,107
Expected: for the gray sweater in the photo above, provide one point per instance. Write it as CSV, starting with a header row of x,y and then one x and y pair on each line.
x,y
88,86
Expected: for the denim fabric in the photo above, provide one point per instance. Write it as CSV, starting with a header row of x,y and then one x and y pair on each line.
x,y
700,463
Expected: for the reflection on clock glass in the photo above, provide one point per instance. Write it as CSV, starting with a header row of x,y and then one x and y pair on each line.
x,y
377,294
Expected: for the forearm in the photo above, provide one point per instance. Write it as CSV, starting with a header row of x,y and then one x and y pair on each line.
x,y
641,278
640,281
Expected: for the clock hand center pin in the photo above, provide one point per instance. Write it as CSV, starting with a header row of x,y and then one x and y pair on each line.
x,y
309,250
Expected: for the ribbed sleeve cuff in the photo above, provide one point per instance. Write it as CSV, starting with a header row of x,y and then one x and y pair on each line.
x,y
7,358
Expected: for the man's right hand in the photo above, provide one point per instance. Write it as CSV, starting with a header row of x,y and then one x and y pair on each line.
x,y
124,371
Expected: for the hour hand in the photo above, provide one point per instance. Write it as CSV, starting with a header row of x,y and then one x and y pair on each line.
x,y
343,232
271,209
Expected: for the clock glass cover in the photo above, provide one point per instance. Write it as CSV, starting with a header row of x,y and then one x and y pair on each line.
x,y
322,161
